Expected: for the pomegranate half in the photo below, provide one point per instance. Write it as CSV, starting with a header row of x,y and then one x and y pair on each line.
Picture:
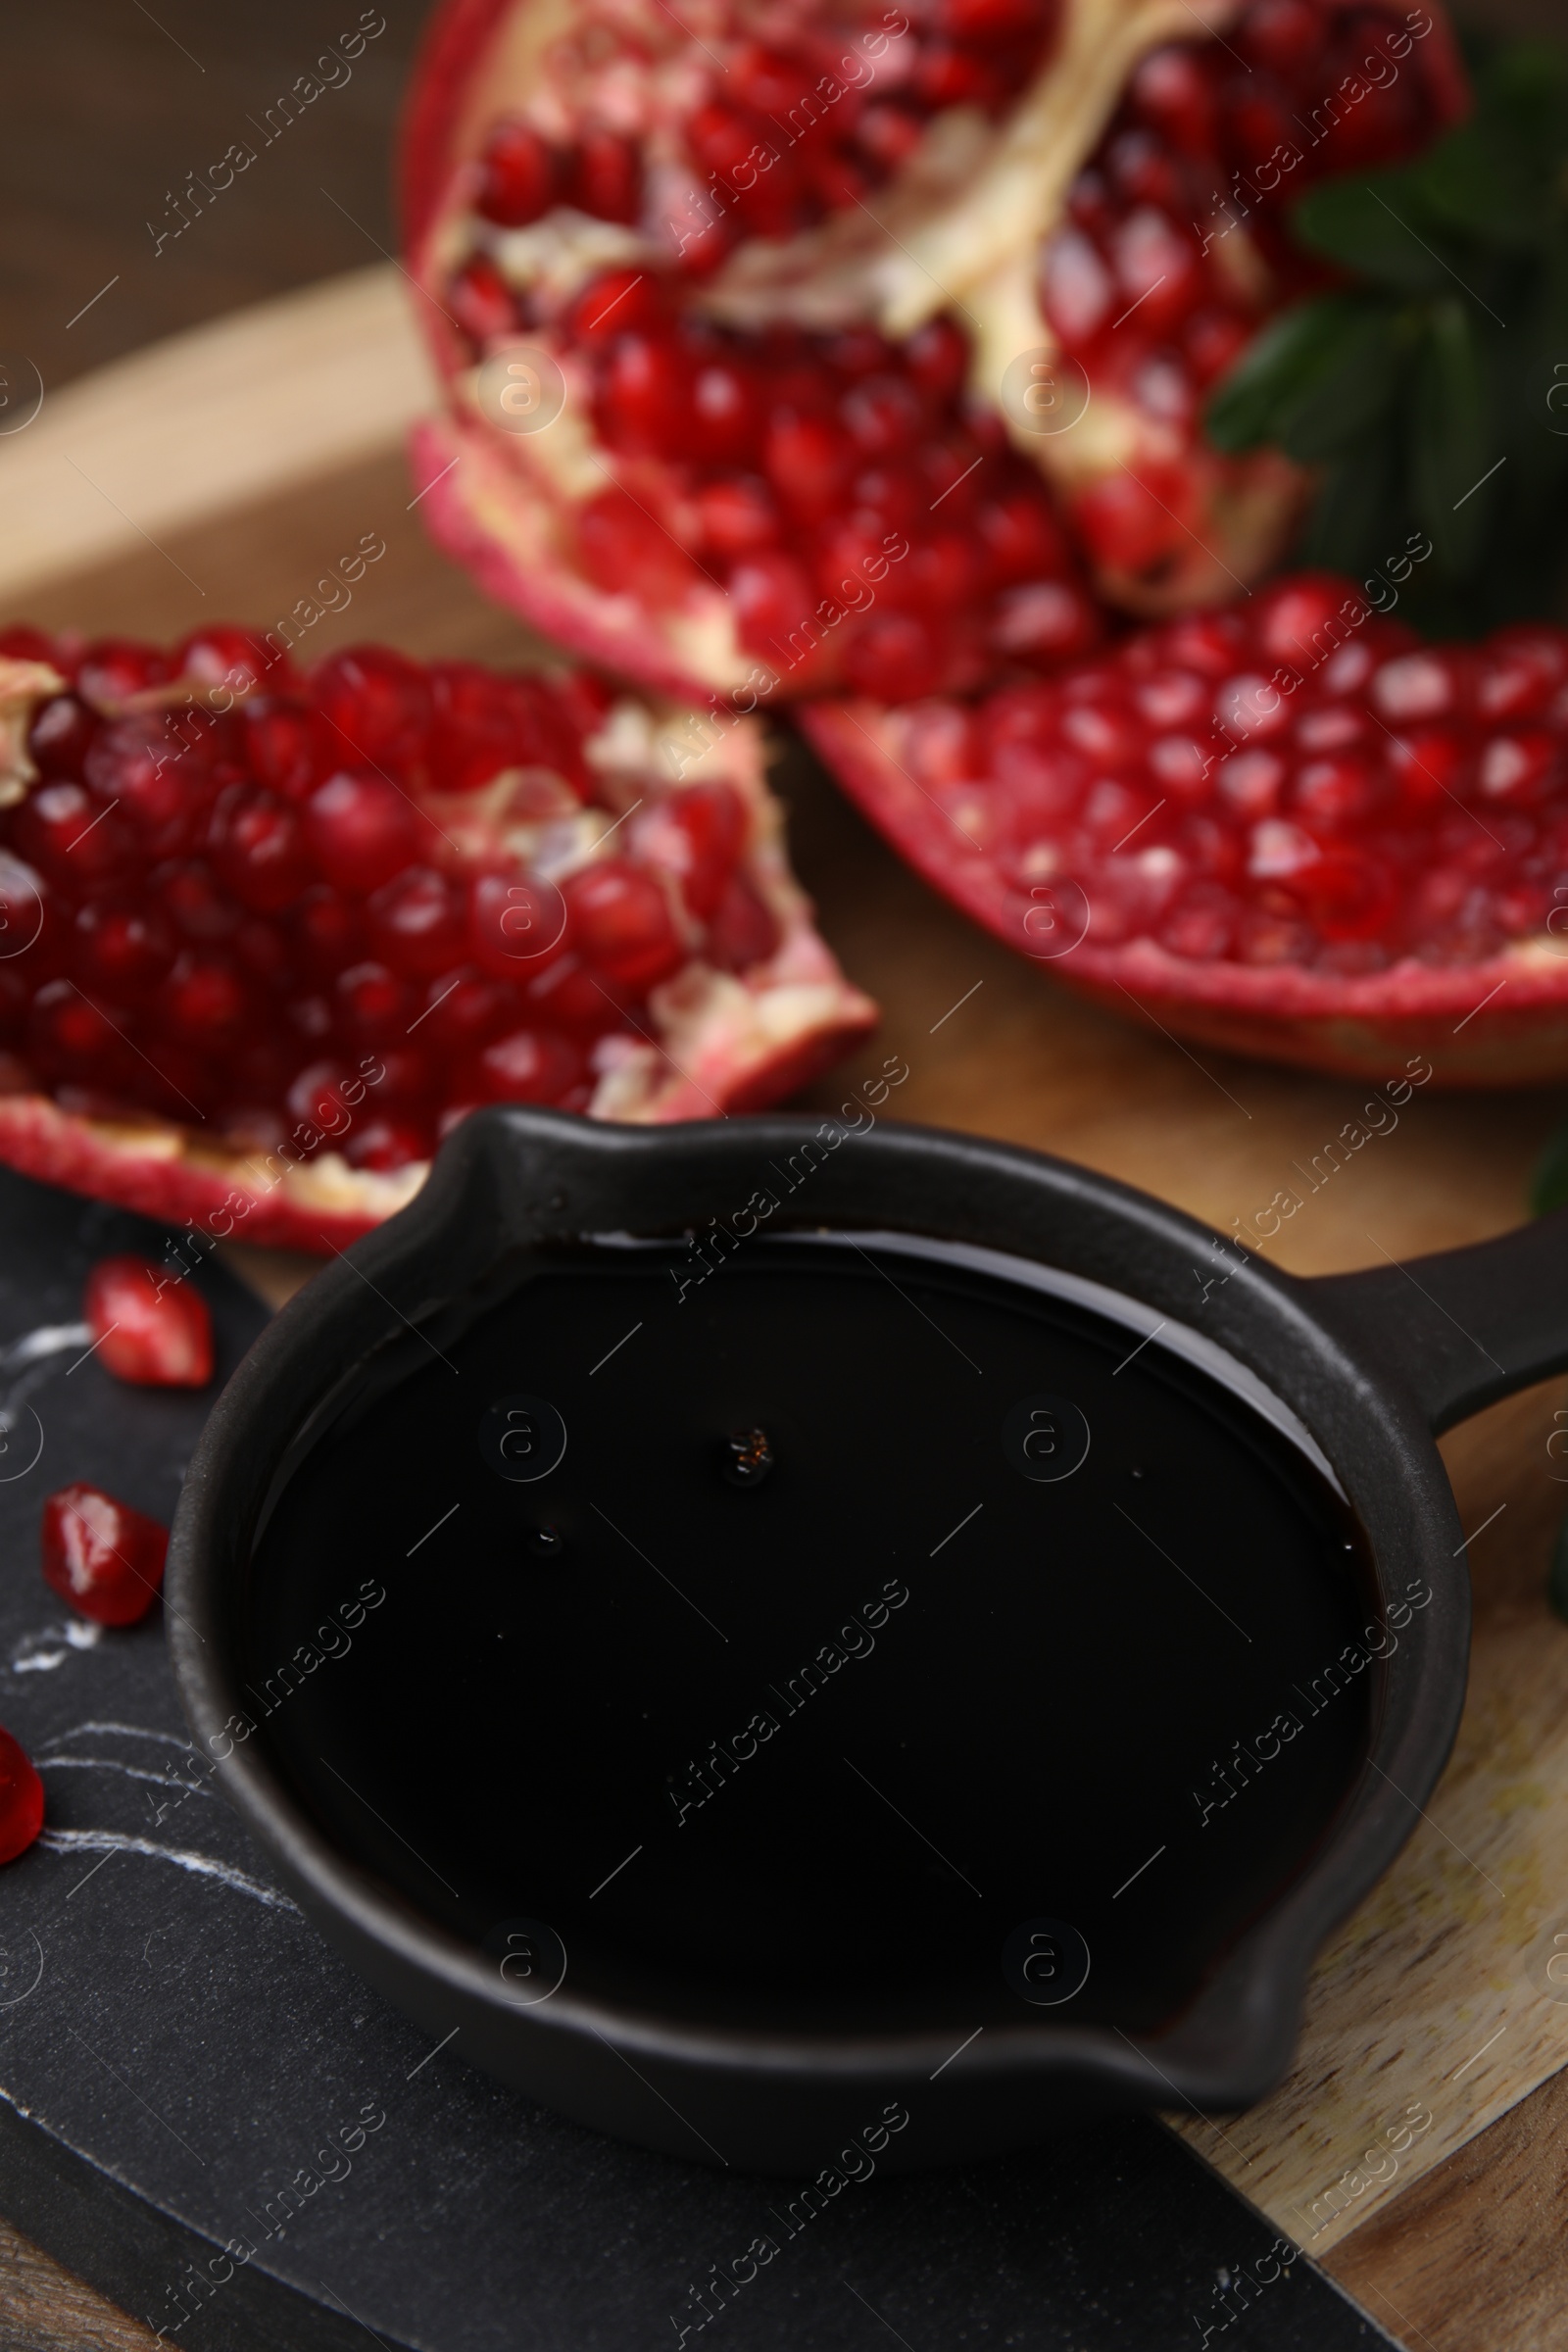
x,y
1289,829
779,343
264,937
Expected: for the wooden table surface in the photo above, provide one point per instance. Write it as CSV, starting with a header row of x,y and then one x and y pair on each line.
x,y
224,475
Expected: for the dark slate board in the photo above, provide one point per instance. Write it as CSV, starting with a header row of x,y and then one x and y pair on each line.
x,y
176,2044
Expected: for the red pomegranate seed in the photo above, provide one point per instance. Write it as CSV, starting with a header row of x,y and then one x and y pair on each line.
x,y
23,643
696,834
516,926
373,1002
519,176
100,1556
113,668
725,413
743,932
232,661
417,922
122,949
377,707
738,516
603,176
257,849
280,746
148,1327
622,545
481,301
72,835
644,400
530,1065
770,596
385,1145
476,728
20,1799
361,831
621,921
808,460
60,736
619,302
893,658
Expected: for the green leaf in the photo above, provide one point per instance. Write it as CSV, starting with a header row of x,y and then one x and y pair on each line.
x,y
1243,410
1548,1186
1356,522
1524,88
1450,437
1376,227
1487,186
1351,387
1314,381
1497,175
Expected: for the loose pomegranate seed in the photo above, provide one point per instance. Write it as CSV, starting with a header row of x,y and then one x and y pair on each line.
x,y
148,1328
20,1799
106,1559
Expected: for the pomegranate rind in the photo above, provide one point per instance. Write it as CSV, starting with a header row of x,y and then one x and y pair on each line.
x,y
1497,1023
718,1041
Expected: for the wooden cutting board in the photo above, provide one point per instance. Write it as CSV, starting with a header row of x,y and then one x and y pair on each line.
x,y
1412,2147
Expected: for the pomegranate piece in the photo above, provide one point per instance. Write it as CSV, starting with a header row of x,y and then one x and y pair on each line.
x,y
1291,828
104,1558
808,463
147,1326
20,1799
311,929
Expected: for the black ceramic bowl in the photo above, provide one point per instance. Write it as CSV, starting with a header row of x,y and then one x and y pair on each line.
x,y
771,1634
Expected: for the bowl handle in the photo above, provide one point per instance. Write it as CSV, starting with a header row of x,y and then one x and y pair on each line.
x,y
1464,1327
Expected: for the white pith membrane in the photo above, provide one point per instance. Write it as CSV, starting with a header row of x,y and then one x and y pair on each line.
x,y
715,1036
956,230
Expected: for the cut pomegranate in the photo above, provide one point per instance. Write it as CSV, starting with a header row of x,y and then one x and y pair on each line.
x,y
1290,829
20,1799
785,274
104,1558
147,1325
269,936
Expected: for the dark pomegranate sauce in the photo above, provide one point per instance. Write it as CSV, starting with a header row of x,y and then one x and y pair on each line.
x,y
849,1632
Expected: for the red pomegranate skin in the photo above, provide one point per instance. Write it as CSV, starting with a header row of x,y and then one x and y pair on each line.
x,y
148,1328
20,1799
310,920
1291,829
100,1556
